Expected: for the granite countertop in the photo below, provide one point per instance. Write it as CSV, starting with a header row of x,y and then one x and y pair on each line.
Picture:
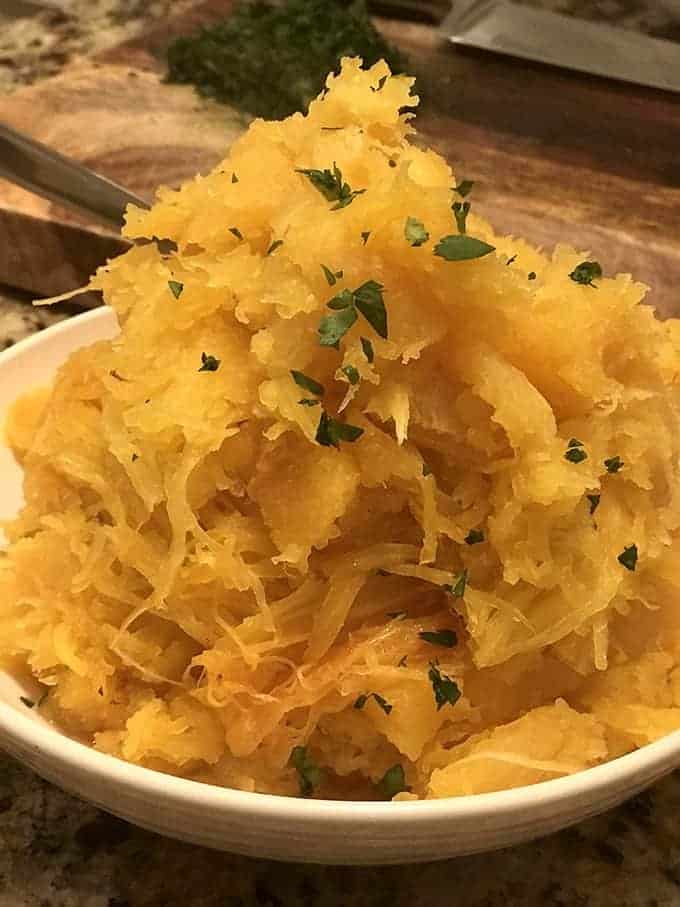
x,y
56,851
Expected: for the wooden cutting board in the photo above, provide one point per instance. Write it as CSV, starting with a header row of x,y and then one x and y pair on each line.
x,y
557,157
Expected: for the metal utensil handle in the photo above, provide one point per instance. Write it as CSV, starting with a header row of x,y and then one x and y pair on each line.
x,y
45,172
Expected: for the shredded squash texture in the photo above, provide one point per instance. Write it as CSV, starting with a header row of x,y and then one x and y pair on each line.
x,y
411,571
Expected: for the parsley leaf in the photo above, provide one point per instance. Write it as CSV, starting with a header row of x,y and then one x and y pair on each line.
x,y
274,246
364,235
307,383
461,247
444,688
426,470
209,363
574,442
575,455
361,701
236,232
531,275
330,432
628,557
402,663
457,589
331,276
332,186
306,401
175,288
474,537
367,347
415,232
368,298
613,464
393,782
333,328
381,82
464,187
234,178
309,774
351,374
594,502
460,212
586,273
445,638
511,260
29,703
343,300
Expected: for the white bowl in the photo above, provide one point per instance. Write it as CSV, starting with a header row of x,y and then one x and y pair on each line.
x,y
280,827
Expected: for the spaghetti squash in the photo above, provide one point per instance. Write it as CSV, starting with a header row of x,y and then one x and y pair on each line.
x,y
365,500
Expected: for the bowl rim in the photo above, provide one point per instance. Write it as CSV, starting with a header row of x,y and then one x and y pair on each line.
x,y
58,748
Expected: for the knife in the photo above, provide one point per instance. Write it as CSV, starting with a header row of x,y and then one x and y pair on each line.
x,y
546,37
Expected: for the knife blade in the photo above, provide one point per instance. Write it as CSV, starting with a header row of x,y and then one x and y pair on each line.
x,y
546,37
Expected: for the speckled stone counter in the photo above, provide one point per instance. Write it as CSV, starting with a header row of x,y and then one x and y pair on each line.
x,y
58,852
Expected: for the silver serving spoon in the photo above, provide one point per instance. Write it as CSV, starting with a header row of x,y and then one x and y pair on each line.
x,y
47,173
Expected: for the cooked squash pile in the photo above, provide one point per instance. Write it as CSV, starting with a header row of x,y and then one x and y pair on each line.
x,y
365,501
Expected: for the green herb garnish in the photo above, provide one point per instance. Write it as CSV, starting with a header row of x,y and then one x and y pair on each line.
x,y
574,442
307,383
234,178
331,276
134,457
594,502
368,298
415,232
272,60
575,455
361,701
307,401
402,663
209,363
364,235
393,782
586,273
426,470
332,328
474,537
332,186
613,464
330,432
236,232
367,347
628,557
29,703
351,373
464,188
460,212
457,589
444,688
175,288
274,246
445,638
511,260
381,82
461,247
309,774
531,275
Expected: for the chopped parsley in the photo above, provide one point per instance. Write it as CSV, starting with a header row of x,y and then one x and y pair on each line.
x,y
234,178
236,232
402,663
393,782
309,774
307,401
271,60
307,383
574,442
457,588
594,500
364,235
511,260
274,246
332,186
352,375
415,232
460,212
29,703
366,299
209,363
461,247
586,273
474,537
444,688
135,457
445,638
426,470
331,276
628,557
367,348
330,432
575,452
464,188
613,464
175,288
361,701
381,82
531,275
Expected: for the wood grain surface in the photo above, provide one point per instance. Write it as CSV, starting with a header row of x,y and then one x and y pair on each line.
x,y
557,156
